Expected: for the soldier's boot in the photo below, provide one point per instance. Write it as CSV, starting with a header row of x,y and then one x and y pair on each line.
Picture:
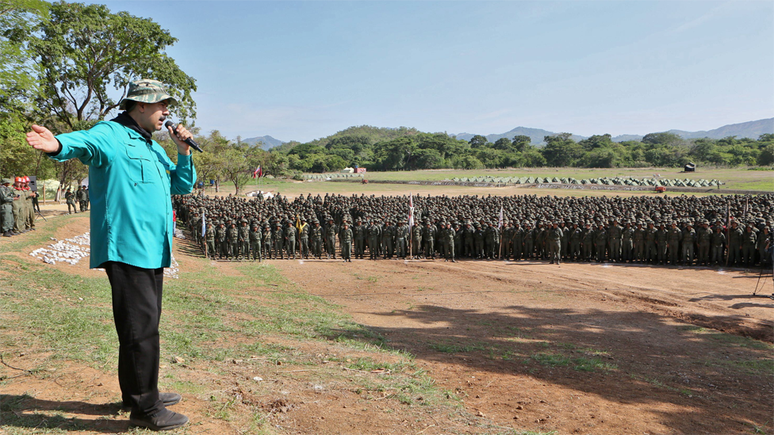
x,y
7,234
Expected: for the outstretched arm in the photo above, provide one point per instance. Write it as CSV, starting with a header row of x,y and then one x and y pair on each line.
x,y
42,139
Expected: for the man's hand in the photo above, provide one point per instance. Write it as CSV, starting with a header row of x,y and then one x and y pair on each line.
x,y
179,135
42,139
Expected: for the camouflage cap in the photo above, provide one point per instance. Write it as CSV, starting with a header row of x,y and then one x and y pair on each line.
x,y
146,91
7,181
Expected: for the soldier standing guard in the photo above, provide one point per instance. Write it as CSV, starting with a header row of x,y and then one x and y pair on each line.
x,y
416,240
359,232
303,237
256,237
554,241
346,242
734,244
373,240
244,240
317,239
290,240
688,241
704,236
330,239
401,239
6,208
70,200
19,215
428,238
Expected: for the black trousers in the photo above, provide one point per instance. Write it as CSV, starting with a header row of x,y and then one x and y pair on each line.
x,y
136,311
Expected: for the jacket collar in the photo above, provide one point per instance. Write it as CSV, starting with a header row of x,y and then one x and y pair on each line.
x,y
127,121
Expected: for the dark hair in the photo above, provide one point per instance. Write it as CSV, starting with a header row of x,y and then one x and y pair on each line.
x,y
129,105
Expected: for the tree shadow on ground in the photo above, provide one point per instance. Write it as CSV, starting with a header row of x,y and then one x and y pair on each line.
x,y
711,379
25,411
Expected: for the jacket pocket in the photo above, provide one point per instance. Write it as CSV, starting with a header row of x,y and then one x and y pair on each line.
x,y
138,165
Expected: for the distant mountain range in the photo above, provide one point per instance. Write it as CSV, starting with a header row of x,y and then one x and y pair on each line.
x,y
752,129
267,142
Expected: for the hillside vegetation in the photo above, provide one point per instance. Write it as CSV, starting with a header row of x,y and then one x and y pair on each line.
x,y
383,149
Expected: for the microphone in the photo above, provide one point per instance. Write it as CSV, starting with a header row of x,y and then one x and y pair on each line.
x,y
188,141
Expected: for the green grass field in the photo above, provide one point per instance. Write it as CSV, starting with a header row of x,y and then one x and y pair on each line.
x,y
735,179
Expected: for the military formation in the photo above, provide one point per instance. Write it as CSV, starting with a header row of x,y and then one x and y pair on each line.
x,y
733,231
17,206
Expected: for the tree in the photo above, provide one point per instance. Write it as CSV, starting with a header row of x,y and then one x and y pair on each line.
x,y
664,138
240,160
89,56
17,74
521,143
766,157
478,141
597,141
561,150
467,162
503,144
395,154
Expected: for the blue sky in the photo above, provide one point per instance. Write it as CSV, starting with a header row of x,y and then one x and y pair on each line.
x,y
304,70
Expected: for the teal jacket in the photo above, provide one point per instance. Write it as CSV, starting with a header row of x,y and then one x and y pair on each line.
x,y
130,183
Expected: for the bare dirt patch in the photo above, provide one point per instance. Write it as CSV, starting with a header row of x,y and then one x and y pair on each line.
x,y
579,348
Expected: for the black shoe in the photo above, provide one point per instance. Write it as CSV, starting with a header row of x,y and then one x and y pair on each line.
x,y
167,399
162,420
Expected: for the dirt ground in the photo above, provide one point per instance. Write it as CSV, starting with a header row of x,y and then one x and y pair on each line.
x,y
638,318
525,346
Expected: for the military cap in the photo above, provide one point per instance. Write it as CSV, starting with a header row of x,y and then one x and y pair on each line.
x,y
146,91
6,181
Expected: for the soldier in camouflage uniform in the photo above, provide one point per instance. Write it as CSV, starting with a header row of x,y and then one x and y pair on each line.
x,y
278,239
232,234
374,233
401,239
290,240
255,237
359,233
704,241
209,237
749,239
388,240
428,238
244,240
662,244
346,242
688,242
529,240
614,232
416,240
267,242
70,200
330,238
600,243
554,241
303,237
317,239
589,235
651,249
718,245
6,208
673,242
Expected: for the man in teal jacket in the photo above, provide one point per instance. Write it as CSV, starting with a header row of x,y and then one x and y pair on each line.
x,y
131,181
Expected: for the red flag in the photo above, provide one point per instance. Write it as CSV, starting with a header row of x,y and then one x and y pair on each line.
x,y
258,172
